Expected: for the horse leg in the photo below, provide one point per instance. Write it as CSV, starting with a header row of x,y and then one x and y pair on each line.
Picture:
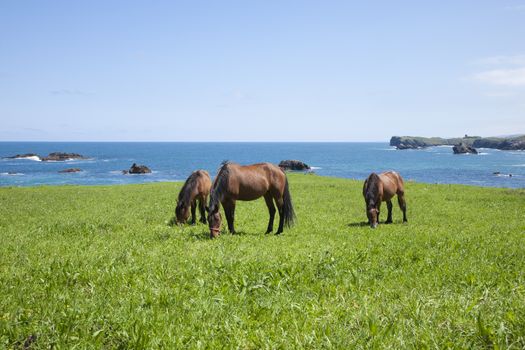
x,y
279,201
229,211
271,208
389,207
193,208
402,205
202,209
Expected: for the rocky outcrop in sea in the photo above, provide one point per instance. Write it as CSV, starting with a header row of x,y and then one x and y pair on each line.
x,y
137,169
293,165
54,157
463,148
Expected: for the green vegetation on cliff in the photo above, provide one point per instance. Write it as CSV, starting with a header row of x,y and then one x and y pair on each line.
x,y
511,143
503,143
411,142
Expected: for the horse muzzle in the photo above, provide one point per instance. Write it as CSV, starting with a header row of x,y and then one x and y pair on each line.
x,y
215,232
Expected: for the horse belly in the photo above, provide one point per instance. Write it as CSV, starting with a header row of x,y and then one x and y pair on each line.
x,y
249,196
252,190
388,195
250,193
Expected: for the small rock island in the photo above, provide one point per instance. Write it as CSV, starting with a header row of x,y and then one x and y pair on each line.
x,y
295,165
137,169
62,156
463,148
70,170
54,156
25,156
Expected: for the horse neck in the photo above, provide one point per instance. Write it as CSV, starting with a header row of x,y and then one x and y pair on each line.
x,y
220,187
187,196
373,192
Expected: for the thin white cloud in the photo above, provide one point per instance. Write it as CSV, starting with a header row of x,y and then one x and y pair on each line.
x,y
502,71
239,95
500,94
519,7
513,60
70,92
502,77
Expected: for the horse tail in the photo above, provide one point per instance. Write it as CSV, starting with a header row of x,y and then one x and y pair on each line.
x,y
288,212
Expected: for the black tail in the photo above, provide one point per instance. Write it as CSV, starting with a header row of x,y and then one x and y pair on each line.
x,y
288,212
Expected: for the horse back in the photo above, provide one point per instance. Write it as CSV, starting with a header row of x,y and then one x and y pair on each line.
x,y
392,184
250,182
204,183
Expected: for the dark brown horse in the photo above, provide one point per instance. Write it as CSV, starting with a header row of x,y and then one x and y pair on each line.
x,y
382,188
245,183
196,187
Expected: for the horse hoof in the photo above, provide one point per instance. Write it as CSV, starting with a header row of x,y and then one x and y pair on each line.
x,y
388,222
278,232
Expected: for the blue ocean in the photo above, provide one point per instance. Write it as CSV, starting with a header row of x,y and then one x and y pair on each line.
x,y
173,161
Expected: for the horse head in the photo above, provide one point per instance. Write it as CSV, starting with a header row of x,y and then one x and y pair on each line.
x,y
373,214
182,212
214,221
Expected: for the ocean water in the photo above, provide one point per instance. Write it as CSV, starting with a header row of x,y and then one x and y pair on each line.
x,y
172,161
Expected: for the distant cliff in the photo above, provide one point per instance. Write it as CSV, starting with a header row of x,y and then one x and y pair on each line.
x,y
503,143
414,142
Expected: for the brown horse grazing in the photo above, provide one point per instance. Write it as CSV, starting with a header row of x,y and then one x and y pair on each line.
x,y
383,187
196,187
245,183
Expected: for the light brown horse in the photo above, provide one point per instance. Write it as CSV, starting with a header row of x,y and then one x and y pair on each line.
x,y
382,188
245,183
196,187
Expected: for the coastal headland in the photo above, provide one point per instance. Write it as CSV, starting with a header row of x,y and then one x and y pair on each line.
x,y
502,143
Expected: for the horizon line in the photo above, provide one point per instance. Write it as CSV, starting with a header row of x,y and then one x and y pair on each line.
x,y
147,141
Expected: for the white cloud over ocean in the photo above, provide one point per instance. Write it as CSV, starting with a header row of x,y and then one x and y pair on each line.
x,y
502,71
502,77
512,60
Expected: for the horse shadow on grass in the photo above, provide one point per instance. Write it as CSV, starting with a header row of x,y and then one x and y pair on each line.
x,y
365,223
358,224
172,222
204,235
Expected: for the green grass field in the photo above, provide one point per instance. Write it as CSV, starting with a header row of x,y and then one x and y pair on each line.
x,y
99,267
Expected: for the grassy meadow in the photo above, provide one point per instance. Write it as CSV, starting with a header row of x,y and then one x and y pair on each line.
x,y
99,267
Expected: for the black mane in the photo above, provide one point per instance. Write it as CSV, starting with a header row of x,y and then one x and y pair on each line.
x,y
372,188
185,192
219,185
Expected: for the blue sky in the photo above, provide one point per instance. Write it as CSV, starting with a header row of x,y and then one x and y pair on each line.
x,y
260,70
